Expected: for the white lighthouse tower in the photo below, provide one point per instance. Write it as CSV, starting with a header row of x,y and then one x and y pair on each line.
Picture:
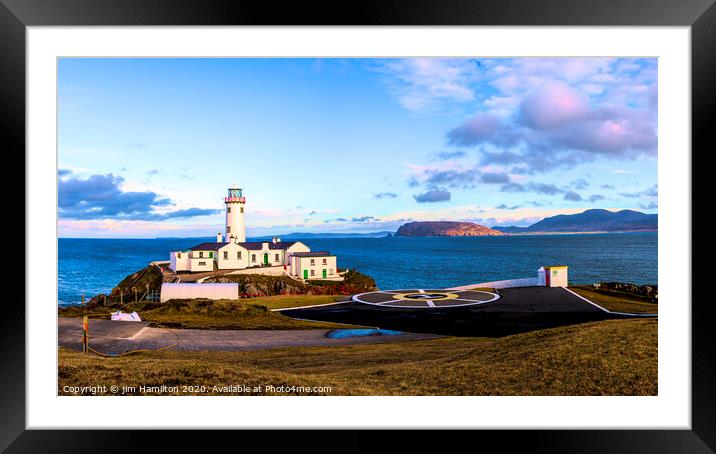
x,y
235,226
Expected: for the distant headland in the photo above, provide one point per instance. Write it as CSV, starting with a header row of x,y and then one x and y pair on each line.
x,y
590,221
445,228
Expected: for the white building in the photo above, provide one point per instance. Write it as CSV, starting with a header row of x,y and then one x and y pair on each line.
x,y
553,276
314,265
294,257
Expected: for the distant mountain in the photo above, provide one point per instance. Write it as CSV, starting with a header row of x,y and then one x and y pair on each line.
x,y
306,235
591,221
445,228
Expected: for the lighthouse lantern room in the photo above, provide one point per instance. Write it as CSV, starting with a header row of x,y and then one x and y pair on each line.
x,y
235,226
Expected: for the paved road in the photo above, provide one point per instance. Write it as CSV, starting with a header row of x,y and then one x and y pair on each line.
x,y
114,337
518,310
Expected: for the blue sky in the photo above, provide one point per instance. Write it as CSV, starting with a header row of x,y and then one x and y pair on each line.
x,y
147,147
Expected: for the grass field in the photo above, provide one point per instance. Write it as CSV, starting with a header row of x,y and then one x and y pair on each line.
x,y
614,357
617,302
286,301
253,313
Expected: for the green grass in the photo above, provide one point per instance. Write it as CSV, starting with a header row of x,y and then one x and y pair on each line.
x,y
613,357
253,313
617,302
286,301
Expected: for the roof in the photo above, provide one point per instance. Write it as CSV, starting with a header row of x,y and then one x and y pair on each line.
x,y
258,245
313,254
250,245
215,246
555,266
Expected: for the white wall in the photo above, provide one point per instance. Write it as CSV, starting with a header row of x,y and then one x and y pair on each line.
x,y
264,270
201,264
233,261
235,220
297,247
179,261
509,283
540,277
558,277
189,291
304,263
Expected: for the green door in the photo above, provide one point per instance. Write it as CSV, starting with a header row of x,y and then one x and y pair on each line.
x,y
265,259
324,274
305,274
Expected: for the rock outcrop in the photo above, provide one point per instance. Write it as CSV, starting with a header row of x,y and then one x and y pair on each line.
x,y
650,292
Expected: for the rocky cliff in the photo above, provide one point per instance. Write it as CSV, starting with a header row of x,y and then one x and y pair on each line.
x,y
445,228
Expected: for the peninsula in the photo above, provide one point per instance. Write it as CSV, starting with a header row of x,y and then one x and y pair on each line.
x,y
445,228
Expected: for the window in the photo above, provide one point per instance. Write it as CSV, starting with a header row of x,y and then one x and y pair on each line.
x,y
226,255
325,261
202,263
228,209
242,209
275,258
313,261
330,271
201,255
253,258
238,255
178,255
211,255
228,229
313,272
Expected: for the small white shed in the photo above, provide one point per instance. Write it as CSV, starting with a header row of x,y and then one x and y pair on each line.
x,y
554,276
228,291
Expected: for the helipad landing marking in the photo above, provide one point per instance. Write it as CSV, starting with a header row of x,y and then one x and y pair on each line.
x,y
389,301
472,302
429,302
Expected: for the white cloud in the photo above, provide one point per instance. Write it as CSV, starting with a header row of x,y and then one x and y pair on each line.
x,y
423,83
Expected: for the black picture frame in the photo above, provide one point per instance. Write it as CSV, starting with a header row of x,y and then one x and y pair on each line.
x,y
700,15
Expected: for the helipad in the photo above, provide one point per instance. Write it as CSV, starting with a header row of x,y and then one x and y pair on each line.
x,y
426,299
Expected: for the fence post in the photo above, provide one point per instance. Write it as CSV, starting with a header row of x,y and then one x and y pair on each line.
x,y
85,334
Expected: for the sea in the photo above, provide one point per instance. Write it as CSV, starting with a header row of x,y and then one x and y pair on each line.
x,y
91,266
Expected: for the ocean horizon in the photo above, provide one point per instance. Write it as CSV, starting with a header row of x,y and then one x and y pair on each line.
x,y
91,266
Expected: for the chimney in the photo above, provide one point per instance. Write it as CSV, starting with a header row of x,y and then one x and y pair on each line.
x,y
218,237
273,240
278,239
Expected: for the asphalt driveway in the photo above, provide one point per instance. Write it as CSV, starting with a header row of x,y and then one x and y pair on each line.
x,y
113,337
517,310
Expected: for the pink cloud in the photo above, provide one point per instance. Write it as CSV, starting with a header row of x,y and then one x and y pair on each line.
x,y
554,105
476,129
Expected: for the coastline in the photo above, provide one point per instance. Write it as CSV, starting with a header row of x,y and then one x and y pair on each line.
x,y
591,232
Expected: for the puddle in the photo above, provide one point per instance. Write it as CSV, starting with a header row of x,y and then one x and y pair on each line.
x,y
344,333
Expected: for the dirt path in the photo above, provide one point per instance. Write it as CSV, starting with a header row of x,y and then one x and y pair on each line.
x,y
115,337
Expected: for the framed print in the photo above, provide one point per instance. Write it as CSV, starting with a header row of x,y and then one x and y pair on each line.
x,y
414,217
